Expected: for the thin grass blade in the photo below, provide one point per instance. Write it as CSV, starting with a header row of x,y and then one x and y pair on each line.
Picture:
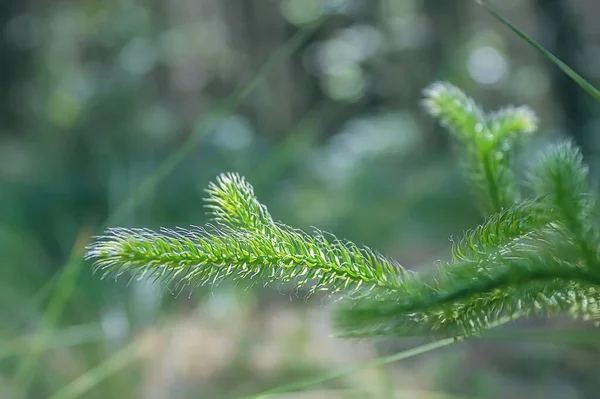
x,y
580,80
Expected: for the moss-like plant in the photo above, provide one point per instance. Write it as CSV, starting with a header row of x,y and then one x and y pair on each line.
x,y
536,253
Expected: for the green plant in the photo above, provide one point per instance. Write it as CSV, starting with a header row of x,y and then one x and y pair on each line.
x,y
536,253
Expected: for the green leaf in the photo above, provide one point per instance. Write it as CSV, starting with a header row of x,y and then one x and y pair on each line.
x,y
537,256
244,244
467,297
486,143
232,202
502,229
562,178
580,80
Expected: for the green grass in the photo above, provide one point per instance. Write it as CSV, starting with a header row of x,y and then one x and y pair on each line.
x,y
577,78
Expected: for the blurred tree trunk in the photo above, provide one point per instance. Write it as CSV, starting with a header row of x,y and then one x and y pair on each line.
x,y
447,20
12,62
290,91
561,35
259,30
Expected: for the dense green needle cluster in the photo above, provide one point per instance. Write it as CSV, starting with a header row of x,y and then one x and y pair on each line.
x,y
536,253
244,243
486,143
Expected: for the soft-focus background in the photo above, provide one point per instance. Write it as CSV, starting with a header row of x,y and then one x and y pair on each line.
x,y
119,113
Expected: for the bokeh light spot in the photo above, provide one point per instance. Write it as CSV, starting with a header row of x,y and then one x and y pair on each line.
x,y
234,133
301,11
486,65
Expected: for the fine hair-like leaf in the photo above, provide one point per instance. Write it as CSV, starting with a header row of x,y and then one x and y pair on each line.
x,y
485,143
468,296
536,253
244,243
537,256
